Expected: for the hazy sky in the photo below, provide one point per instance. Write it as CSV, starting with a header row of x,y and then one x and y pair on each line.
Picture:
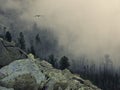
x,y
88,27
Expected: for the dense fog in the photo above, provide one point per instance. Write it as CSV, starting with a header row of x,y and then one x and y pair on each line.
x,y
89,28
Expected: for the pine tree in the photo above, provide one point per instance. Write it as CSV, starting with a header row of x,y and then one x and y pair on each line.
x,y
32,50
8,36
64,63
52,60
22,41
37,38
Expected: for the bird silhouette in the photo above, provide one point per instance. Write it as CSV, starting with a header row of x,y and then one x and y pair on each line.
x,y
38,15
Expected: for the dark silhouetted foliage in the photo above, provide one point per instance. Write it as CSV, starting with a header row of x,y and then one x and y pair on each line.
x,y
37,38
8,36
21,41
64,63
32,50
104,76
52,60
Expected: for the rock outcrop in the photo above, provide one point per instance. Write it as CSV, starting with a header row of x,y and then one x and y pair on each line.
x,y
34,74
3,88
9,52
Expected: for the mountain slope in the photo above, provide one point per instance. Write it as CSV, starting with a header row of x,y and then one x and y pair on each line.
x,y
35,74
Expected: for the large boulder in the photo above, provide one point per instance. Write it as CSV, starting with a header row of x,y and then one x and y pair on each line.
x,y
31,74
9,52
19,68
4,88
25,82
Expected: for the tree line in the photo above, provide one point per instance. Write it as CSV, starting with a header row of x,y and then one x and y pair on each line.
x,y
63,63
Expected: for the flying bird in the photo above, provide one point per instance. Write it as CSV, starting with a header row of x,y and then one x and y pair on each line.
x,y
38,16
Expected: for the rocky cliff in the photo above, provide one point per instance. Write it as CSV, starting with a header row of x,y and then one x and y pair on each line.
x,y
9,52
34,74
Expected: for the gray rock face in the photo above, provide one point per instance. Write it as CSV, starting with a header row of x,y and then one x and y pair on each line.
x,y
25,82
19,68
3,88
31,74
9,53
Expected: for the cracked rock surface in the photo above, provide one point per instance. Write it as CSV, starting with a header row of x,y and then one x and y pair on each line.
x,y
25,74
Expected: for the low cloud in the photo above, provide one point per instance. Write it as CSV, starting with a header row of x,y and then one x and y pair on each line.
x,y
83,27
